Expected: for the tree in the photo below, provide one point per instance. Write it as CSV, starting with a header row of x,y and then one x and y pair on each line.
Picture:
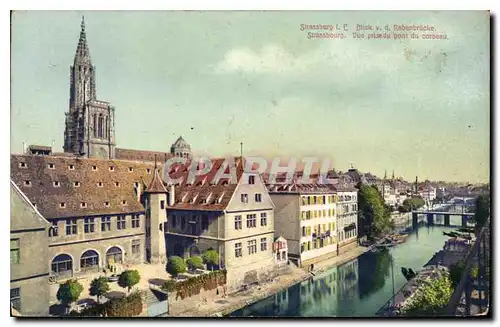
x,y
69,292
195,262
374,215
431,298
482,210
176,265
211,258
99,287
129,278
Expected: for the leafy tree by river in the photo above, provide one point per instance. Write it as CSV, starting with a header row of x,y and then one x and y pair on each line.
x,y
414,202
374,216
431,298
482,210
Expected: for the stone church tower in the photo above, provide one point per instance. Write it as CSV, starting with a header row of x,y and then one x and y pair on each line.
x,y
90,123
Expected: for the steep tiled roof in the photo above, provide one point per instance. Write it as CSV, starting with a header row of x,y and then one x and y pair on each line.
x,y
201,193
85,186
156,185
140,155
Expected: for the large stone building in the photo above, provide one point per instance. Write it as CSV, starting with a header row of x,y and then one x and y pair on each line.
x,y
306,216
29,257
235,219
90,123
98,213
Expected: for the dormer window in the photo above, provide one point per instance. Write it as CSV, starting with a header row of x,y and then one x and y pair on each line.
x,y
76,184
62,205
130,169
124,202
106,204
51,166
117,184
71,167
23,165
94,168
111,168
27,183
57,184
83,205
99,184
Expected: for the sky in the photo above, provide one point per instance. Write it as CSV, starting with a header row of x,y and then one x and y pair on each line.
x,y
418,107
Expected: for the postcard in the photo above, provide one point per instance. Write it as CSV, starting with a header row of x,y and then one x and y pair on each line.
x,y
250,164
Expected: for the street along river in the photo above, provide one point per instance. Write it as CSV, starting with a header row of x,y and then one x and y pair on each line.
x,y
357,288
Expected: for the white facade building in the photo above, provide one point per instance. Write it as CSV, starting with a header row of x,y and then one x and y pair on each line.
x,y
347,217
305,215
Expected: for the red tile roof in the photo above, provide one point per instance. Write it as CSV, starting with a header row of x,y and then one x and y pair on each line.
x,y
141,155
104,186
156,185
204,192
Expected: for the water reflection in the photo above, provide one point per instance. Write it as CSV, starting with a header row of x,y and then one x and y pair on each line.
x,y
358,288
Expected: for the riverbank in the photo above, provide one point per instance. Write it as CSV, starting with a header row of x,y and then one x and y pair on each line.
x,y
224,306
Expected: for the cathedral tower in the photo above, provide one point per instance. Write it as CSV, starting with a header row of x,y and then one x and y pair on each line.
x,y
90,129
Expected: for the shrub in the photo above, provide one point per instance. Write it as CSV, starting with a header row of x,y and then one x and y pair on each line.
x,y
125,307
195,262
69,292
176,265
193,286
129,278
211,258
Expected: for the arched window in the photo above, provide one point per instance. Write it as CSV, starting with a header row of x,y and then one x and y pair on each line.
x,y
89,260
99,126
114,255
106,128
62,265
94,125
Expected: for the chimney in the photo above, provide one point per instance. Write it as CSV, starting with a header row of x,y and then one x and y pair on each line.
x,y
138,190
24,147
171,195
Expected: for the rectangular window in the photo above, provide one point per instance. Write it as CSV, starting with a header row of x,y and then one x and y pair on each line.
x,y
71,227
121,222
105,224
251,221
258,197
237,223
204,222
174,221
263,219
251,179
136,246
252,246
14,251
263,244
162,204
136,221
88,225
55,230
15,298
237,250
244,198
304,231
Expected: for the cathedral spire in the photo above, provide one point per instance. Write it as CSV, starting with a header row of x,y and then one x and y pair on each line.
x,y
82,51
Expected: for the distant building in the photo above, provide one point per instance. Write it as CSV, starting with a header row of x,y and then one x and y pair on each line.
x,y
29,257
305,215
181,148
